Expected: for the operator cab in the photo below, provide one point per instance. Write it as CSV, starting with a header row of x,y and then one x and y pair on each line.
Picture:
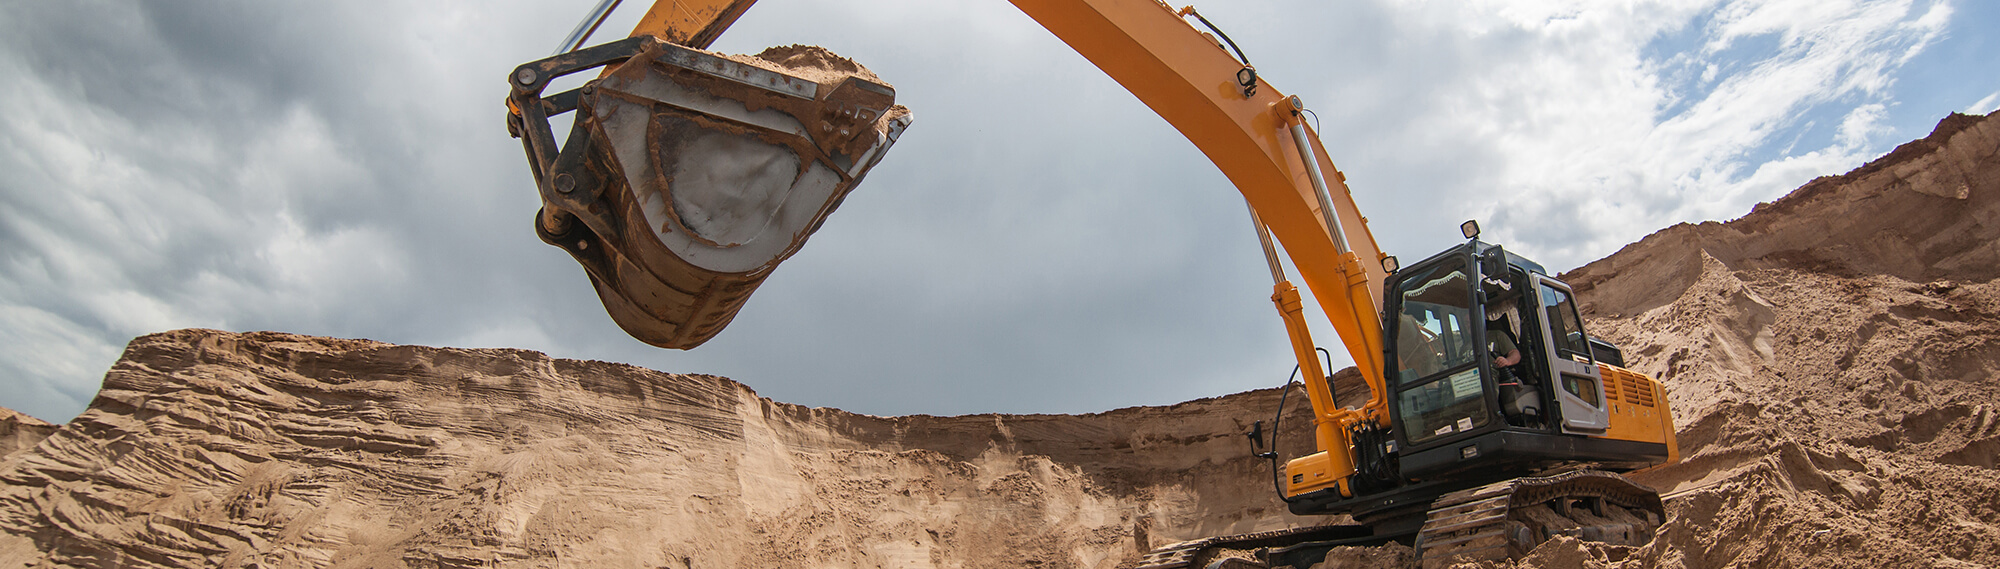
x,y
1453,406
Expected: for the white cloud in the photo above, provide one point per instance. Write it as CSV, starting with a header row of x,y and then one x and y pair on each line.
x,y
1861,125
1588,130
1984,105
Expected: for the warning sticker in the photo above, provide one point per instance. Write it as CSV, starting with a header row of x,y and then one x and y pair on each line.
x,y
1465,424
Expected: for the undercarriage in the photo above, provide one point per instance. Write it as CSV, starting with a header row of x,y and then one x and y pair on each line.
x,y
1502,520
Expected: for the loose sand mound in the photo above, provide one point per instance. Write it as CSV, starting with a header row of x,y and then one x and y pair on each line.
x,y
18,431
1831,358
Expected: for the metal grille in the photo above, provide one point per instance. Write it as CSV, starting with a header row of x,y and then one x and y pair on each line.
x,y
1634,388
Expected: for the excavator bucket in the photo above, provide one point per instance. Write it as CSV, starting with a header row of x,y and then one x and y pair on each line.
x,y
688,176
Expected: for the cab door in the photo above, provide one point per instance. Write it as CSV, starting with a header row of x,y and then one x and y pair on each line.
x,y
1579,388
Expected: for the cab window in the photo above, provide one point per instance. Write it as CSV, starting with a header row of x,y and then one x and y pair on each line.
x,y
1442,391
1565,327
1433,328
1566,332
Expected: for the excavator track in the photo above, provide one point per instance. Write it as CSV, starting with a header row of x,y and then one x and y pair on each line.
x,y
1216,552
1508,519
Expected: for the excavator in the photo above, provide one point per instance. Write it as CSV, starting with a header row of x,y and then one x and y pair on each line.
x,y
1493,421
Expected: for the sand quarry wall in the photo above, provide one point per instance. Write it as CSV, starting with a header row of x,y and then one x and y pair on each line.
x,y
1831,358
209,448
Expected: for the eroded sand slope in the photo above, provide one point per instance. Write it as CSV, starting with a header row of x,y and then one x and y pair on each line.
x,y
1831,357
1833,360
209,448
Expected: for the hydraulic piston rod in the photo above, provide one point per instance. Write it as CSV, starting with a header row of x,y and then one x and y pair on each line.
x,y
586,27
1318,179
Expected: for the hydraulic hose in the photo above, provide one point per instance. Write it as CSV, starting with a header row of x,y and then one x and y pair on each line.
x,y
1246,78
1284,392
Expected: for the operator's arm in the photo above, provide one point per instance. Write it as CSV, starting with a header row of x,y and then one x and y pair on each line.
x,y
1503,348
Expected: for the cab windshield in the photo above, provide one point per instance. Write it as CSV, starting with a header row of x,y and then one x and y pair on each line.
x,y
1433,331
1442,392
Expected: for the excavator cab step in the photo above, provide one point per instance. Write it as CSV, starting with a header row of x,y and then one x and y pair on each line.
x,y
687,175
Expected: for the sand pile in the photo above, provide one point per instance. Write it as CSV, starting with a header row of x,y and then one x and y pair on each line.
x,y
1831,359
18,431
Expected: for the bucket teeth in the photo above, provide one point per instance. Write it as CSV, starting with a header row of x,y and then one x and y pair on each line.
x,y
688,175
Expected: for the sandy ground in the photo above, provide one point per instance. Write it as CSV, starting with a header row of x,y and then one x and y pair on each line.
x,y
1830,357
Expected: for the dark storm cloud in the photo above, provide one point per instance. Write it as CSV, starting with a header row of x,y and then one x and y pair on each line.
x,y
247,166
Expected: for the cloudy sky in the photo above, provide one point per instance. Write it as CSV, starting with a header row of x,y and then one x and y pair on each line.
x,y
1037,242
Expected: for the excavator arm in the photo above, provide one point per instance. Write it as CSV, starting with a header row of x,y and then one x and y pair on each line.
x,y
693,23
1255,134
1250,129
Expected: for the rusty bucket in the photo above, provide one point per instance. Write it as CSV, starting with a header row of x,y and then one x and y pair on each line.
x,y
688,176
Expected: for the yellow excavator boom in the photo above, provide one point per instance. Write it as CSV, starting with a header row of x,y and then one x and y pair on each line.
x,y
1255,134
692,23
1252,131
